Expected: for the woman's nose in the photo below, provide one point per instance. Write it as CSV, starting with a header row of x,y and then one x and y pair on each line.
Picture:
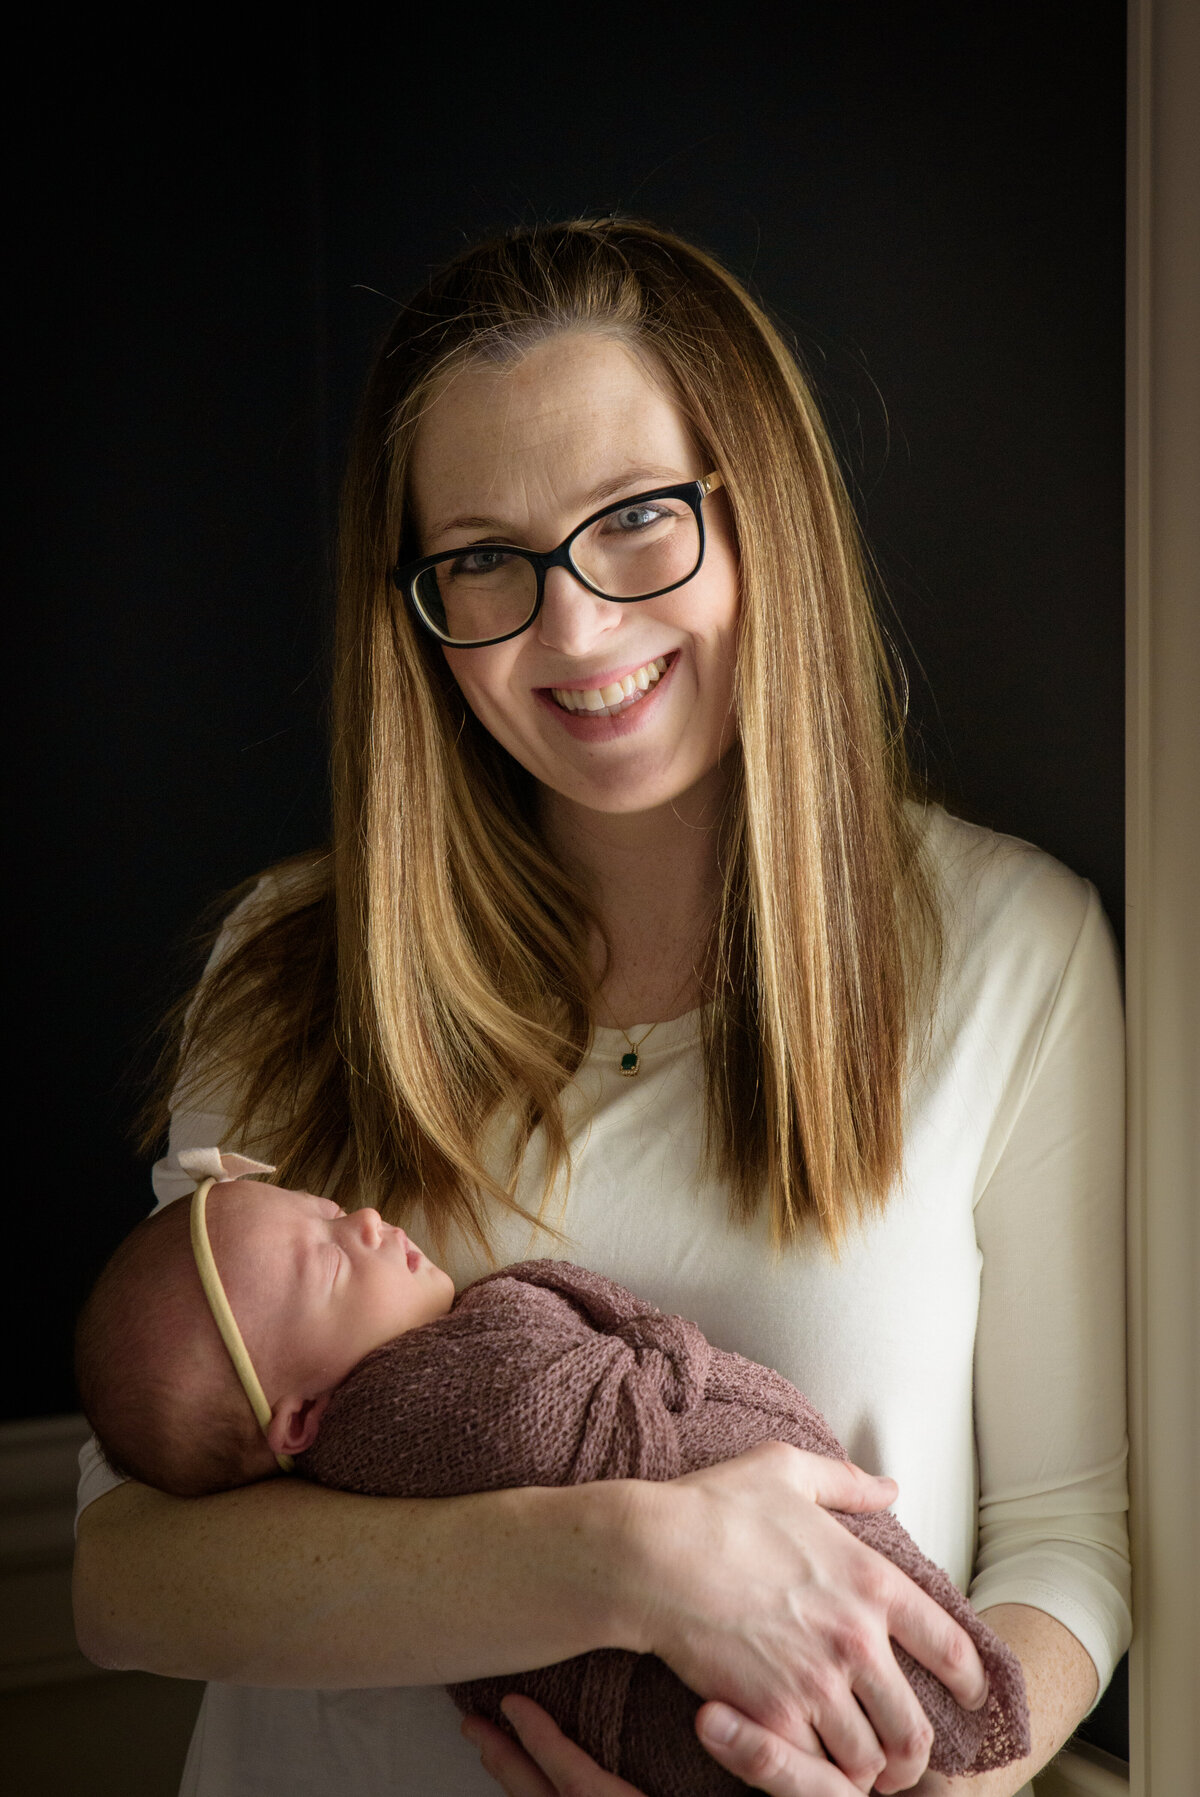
x,y
572,620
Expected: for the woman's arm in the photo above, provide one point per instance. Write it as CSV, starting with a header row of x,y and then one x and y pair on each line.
x,y
1050,1340
285,1583
736,1576
1061,1682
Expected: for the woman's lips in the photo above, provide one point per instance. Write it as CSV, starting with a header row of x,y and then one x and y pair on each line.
x,y
598,726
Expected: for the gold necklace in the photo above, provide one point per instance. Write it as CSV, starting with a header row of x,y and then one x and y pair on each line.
x,y
630,1064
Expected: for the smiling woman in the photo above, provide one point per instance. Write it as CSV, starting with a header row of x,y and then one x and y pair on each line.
x,y
533,381
653,780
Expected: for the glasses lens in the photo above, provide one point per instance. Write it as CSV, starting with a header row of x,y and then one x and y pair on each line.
x,y
478,594
639,548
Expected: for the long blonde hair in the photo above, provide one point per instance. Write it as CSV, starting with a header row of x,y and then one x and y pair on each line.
x,y
381,1004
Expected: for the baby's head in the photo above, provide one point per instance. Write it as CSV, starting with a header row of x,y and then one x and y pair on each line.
x,y
312,1290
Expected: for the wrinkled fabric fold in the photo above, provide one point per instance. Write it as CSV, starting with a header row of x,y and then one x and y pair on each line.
x,y
547,1374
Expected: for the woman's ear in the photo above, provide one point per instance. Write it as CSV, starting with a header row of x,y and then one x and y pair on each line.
x,y
294,1423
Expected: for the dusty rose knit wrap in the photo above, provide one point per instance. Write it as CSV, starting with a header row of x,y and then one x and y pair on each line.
x,y
546,1374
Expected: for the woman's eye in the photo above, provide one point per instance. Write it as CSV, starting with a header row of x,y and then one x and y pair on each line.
x,y
480,561
636,517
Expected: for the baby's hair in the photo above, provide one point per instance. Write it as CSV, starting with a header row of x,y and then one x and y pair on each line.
x,y
154,1379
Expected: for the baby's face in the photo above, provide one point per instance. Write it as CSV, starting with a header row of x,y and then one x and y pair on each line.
x,y
314,1289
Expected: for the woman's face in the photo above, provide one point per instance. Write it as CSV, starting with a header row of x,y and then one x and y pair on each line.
x,y
522,455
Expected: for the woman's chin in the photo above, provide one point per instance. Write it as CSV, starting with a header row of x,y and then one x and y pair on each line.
x,y
633,790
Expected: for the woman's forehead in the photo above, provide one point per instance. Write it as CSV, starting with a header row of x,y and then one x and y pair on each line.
x,y
539,433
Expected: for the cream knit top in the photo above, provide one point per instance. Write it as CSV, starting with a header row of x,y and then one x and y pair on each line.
x,y
969,1342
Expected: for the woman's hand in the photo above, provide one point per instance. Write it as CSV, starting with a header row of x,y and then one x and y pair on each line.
x,y
756,1597
547,1764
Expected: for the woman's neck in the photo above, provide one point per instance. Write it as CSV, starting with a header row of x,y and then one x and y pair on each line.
x,y
654,880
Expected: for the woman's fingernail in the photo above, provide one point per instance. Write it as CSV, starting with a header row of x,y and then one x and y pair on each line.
x,y
719,1725
470,1732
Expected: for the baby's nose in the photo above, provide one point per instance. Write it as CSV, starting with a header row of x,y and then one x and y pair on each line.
x,y
371,1225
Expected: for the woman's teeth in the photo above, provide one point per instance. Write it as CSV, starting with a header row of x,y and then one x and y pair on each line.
x,y
608,700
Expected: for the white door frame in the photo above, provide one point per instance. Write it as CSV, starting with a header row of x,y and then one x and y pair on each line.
x,y
1162,911
1163,891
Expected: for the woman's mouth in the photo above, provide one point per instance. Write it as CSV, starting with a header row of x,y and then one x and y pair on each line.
x,y
619,695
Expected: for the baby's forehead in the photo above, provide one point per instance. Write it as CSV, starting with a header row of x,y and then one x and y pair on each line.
x,y
262,1238
248,1207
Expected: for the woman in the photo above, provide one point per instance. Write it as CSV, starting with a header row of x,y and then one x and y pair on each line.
x,y
635,947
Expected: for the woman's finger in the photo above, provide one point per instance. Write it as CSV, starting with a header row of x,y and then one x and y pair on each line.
x,y
931,1635
849,1739
766,1762
901,1725
841,1485
547,1762
505,1761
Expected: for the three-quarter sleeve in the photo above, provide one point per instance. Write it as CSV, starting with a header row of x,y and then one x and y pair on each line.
x,y
1049,1356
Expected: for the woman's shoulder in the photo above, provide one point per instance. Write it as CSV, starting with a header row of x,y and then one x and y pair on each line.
x,y
283,905
1020,930
271,920
1029,962
997,890
290,886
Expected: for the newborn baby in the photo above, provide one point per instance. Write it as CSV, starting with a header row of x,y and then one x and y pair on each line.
x,y
313,1291
385,1384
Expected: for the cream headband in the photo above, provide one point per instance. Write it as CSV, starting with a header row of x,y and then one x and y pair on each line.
x,y
209,1167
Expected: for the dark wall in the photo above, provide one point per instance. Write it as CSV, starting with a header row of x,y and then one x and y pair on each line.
x,y
209,244
930,200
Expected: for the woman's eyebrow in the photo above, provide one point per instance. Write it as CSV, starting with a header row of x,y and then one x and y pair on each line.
x,y
631,481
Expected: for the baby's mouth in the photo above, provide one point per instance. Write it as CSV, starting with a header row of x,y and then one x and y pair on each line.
x,y
607,701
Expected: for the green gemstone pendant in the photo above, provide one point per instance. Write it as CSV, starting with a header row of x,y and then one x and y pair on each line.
x,y
629,1063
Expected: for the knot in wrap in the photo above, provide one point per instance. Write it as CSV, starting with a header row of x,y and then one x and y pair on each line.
x,y
672,1359
635,1371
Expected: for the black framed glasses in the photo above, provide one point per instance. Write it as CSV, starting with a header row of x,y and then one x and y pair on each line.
x,y
638,548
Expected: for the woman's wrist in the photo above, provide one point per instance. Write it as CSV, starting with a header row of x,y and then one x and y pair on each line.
x,y
650,1533
612,1534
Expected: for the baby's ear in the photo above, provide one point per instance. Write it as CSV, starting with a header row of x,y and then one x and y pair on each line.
x,y
294,1423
